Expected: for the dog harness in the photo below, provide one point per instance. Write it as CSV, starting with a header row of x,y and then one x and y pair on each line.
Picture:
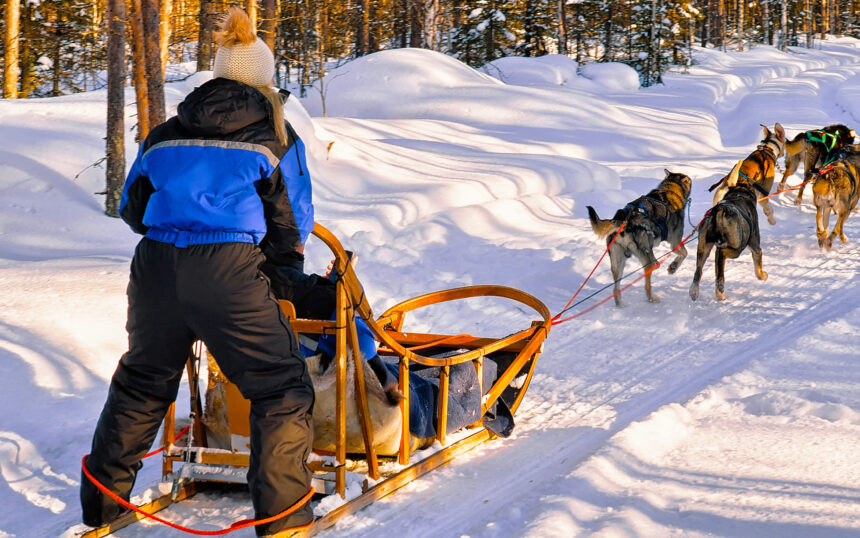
x,y
828,140
735,210
825,138
767,154
659,220
823,170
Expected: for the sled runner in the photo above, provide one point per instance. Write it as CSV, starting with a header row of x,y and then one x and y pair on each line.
x,y
360,440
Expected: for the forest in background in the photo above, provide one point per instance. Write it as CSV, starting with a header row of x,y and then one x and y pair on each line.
x,y
56,47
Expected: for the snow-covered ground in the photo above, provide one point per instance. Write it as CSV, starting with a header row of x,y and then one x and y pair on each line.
x,y
735,418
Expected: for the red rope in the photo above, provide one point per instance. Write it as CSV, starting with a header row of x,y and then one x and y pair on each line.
x,y
785,190
241,524
178,435
570,302
556,321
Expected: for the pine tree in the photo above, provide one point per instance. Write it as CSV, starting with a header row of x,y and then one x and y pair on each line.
x,y
484,35
535,21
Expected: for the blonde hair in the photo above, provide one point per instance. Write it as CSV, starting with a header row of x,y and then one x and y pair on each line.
x,y
235,28
277,102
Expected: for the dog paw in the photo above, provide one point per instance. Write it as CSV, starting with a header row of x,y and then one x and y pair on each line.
x,y
720,296
694,293
672,268
771,220
843,238
653,299
798,200
762,276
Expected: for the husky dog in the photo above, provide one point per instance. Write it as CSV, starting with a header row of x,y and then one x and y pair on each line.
x,y
814,149
731,225
836,189
658,216
758,168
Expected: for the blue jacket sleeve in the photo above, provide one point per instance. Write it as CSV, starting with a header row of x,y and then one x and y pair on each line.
x,y
135,196
288,207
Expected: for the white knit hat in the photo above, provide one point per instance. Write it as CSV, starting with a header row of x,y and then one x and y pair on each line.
x,y
243,56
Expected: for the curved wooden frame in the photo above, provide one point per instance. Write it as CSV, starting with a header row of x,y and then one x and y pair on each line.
x,y
387,329
351,301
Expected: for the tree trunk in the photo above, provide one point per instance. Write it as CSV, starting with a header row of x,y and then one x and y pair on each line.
x,y
740,26
152,53
56,55
269,23
10,46
251,10
416,19
165,8
723,23
562,27
765,21
607,45
431,26
115,139
362,32
138,63
825,19
810,28
783,23
26,54
204,36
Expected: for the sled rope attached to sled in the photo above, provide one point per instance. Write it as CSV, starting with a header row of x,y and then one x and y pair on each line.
x,y
557,321
238,525
563,310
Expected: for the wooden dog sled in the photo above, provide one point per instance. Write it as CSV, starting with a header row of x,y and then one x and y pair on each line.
x,y
347,460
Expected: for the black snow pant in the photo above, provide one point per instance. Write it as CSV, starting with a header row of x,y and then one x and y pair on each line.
x,y
215,293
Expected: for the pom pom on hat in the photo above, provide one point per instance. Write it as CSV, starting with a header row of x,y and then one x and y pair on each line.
x,y
242,56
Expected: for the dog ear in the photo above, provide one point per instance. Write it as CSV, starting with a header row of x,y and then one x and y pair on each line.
x,y
780,132
668,173
765,132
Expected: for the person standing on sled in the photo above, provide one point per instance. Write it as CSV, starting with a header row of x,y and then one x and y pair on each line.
x,y
214,190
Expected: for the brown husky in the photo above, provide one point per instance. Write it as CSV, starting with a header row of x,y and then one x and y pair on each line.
x,y
836,189
758,168
814,149
731,225
658,216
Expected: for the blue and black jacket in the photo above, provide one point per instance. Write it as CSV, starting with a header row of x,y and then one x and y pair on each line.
x,y
216,173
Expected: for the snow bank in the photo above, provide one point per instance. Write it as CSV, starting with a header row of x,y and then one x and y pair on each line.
x,y
612,76
549,70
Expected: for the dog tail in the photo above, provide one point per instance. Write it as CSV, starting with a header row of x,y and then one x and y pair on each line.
x,y
602,227
794,149
733,175
822,187
725,219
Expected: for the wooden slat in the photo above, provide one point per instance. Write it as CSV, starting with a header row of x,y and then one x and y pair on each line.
x,y
151,507
442,425
447,341
361,399
505,379
403,454
167,438
392,484
340,382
